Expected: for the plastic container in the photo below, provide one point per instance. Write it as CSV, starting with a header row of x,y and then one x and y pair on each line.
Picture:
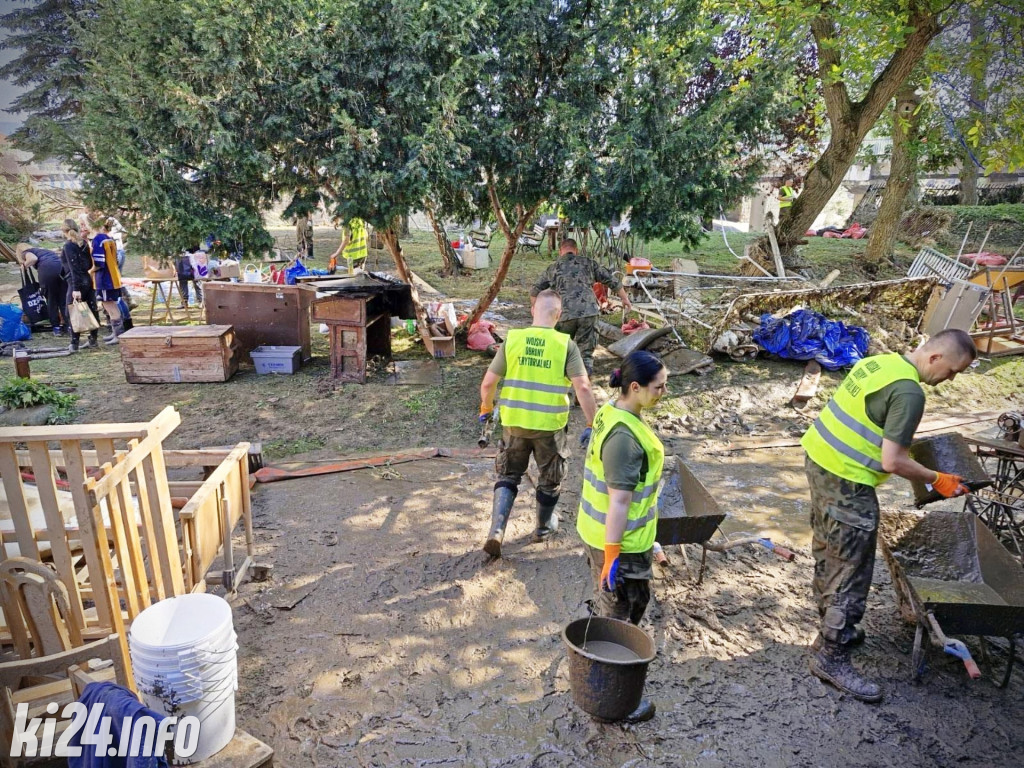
x,y
607,665
274,359
184,662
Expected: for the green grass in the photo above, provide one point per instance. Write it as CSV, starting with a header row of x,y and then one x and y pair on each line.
x,y
278,449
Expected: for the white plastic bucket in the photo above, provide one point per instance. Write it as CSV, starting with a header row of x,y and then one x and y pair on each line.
x,y
184,661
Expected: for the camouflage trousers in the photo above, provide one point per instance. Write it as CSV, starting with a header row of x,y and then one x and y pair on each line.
x,y
582,330
844,521
549,451
632,586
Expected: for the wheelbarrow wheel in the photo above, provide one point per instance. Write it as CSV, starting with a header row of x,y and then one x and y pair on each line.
x,y
917,658
986,647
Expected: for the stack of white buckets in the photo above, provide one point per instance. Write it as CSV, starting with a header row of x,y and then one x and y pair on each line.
x,y
183,656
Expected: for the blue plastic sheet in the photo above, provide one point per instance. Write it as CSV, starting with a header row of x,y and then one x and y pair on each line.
x,y
808,335
295,270
11,327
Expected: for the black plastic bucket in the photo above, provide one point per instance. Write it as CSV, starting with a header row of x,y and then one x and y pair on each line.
x,y
948,453
604,687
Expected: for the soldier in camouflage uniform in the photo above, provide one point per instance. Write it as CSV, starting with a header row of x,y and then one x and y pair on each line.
x,y
572,277
862,435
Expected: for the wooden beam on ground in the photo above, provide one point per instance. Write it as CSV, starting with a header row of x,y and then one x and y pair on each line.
x,y
808,385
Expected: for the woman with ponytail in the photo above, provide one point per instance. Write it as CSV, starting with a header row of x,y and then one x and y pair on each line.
x,y
76,259
618,514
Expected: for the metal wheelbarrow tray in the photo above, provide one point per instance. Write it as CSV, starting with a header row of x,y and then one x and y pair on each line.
x,y
689,514
953,577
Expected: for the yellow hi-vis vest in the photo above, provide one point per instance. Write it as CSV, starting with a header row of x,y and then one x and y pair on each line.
x,y
355,249
786,196
535,393
844,440
642,518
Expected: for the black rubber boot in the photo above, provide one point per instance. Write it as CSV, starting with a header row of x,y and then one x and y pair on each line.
x,y
857,638
93,342
832,664
644,712
501,508
547,520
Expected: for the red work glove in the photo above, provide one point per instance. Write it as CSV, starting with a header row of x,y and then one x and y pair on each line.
x,y
949,485
611,566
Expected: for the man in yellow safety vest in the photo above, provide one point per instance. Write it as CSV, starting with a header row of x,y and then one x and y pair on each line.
x,y
539,366
353,244
862,435
786,194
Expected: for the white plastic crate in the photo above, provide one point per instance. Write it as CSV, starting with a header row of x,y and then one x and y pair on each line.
x,y
276,359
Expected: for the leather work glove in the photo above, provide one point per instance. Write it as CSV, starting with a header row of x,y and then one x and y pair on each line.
x,y
585,437
486,414
949,485
611,566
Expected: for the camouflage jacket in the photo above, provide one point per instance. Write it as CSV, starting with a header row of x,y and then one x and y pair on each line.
x,y
572,277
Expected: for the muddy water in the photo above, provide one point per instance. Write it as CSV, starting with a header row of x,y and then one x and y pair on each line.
x,y
610,651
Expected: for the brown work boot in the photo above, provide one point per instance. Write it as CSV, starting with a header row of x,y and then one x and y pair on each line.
x,y
832,664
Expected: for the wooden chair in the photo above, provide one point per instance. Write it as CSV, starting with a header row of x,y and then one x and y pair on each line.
x,y
532,240
36,606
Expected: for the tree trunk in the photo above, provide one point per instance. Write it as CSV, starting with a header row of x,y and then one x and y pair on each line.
x,y
389,237
511,243
968,165
448,257
849,121
902,177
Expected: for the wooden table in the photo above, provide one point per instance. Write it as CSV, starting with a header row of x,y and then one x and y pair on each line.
x,y
156,283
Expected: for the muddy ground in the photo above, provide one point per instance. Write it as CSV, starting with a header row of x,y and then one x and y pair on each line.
x,y
386,637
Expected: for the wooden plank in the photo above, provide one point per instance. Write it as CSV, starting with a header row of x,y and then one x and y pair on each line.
x,y
808,385
121,517
182,332
59,549
62,433
780,269
161,428
156,585
165,539
97,556
11,476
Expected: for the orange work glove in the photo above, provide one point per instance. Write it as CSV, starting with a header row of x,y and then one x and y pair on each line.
x,y
611,566
949,485
486,414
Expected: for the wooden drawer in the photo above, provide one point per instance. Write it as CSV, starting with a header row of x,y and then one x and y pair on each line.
x,y
351,310
163,354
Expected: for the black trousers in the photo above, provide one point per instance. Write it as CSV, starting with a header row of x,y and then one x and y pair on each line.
x,y
53,287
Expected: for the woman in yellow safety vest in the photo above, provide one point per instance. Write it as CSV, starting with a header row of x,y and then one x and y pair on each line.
x,y
618,514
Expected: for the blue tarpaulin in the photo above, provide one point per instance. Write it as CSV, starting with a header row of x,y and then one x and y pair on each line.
x,y
11,327
808,335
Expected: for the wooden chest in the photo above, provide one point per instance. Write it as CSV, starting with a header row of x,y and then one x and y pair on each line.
x,y
262,314
156,354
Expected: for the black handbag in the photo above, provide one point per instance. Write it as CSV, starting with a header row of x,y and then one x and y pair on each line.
x,y
32,302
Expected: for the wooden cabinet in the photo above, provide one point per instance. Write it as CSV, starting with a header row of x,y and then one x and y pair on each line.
x,y
157,354
262,314
360,325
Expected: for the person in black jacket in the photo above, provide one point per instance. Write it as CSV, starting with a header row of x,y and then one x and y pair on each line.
x,y
51,283
77,259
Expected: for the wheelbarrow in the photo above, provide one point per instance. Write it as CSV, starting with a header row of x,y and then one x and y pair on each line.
x,y
689,514
953,577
